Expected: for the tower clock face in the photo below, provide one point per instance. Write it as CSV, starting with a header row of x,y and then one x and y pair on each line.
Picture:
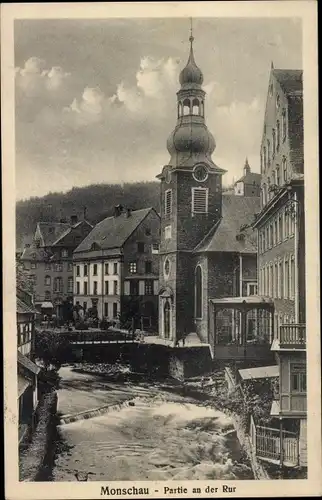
x,y
200,173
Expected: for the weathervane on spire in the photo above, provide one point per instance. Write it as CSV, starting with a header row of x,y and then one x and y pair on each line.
x,y
191,39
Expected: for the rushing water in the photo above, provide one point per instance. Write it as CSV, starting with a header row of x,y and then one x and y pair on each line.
x,y
161,437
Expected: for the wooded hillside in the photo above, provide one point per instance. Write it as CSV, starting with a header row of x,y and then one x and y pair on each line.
x,y
98,200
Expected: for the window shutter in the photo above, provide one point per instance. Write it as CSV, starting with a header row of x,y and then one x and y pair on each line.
x,y
168,202
199,200
141,288
126,288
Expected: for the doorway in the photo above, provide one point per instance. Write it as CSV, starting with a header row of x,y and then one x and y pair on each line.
x,y
166,319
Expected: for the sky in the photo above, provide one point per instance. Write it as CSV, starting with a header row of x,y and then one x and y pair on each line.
x,y
95,100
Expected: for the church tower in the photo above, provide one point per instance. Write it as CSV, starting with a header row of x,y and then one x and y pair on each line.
x,y
191,191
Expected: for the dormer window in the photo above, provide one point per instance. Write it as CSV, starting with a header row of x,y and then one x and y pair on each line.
x,y
95,246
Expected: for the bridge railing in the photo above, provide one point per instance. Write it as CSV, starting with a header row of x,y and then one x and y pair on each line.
x,y
87,336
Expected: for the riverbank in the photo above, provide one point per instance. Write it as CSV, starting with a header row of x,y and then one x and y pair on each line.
x,y
39,452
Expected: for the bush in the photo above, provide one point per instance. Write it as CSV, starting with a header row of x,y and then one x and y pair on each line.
x,y
81,326
104,324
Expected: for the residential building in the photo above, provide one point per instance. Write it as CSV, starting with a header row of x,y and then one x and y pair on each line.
x,y
281,243
249,184
208,251
27,393
116,267
49,261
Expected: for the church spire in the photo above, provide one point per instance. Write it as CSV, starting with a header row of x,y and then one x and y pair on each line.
x,y
191,74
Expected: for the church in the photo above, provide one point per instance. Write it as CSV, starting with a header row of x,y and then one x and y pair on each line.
x,y
208,251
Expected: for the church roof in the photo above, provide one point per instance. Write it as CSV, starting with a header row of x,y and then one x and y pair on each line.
x,y
113,232
34,253
226,236
250,178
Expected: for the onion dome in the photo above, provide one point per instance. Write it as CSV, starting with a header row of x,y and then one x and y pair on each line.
x,y
191,138
191,74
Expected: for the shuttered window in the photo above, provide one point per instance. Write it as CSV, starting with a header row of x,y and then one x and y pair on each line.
x,y
168,202
199,200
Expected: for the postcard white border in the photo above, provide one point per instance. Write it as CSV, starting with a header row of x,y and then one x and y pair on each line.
x,y
307,11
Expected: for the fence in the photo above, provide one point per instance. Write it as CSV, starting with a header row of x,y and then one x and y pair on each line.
x,y
267,443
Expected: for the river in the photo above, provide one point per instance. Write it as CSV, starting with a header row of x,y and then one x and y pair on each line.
x,y
161,436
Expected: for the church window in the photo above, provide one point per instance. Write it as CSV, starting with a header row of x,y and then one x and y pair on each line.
x,y
202,109
168,202
186,107
198,293
166,268
195,107
199,200
167,232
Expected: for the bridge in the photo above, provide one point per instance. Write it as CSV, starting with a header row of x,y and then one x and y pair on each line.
x,y
95,336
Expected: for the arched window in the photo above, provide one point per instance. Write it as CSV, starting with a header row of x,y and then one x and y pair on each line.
x,y
195,107
186,107
47,295
47,280
179,109
264,194
202,109
198,292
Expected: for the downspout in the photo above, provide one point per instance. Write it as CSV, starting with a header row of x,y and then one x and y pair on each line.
x,y
102,286
240,275
296,257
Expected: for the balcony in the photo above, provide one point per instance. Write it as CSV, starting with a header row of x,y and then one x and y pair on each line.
x,y
292,336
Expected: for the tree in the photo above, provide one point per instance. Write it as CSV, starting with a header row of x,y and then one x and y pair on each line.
x,y
50,348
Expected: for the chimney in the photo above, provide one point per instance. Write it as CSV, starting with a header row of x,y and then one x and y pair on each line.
x,y
118,209
73,219
128,212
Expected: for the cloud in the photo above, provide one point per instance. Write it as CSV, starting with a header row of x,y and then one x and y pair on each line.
x,y
122,136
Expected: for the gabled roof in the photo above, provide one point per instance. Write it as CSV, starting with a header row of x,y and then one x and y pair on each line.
x,y
27,363
113,232
237,211
250,178
291,80
34,253
50,232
